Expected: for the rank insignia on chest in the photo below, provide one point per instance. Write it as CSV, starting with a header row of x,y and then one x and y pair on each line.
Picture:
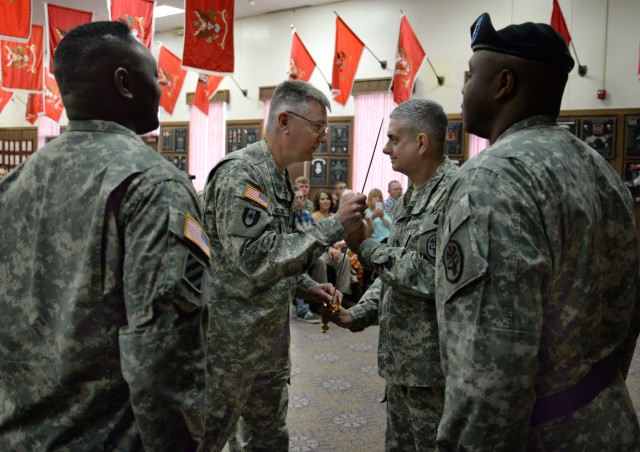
x,y
256,196
453,261
250,217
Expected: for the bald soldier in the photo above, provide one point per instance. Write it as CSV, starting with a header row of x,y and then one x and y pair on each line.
x,y
537,266
102,260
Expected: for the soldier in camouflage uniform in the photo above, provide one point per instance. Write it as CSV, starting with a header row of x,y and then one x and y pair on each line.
x,y
537,266
102,259
402,299
260,260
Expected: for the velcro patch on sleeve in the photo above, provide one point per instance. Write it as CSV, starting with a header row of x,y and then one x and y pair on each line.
x,y
194,233
256,196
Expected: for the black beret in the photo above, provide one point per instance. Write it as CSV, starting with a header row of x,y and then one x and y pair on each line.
x,y
536,42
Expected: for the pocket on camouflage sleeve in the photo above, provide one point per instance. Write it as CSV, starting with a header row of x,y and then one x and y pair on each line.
x,y
460,261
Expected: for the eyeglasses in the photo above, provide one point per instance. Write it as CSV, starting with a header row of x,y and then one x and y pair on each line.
x,y
320,128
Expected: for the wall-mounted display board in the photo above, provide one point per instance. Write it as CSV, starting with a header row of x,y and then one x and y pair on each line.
x,y
16,144
174,144
240,134
331,162
571,124
632,137
599,133
454,140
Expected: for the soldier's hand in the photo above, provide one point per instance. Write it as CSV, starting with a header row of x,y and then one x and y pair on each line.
x,y
358,235
350,213
324,294
342,318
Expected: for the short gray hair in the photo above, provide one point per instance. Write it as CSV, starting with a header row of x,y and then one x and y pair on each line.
x,y
423,116
293,95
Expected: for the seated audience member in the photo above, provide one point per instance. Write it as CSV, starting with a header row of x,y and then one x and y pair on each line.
x,y
102,325
380,221
395,191
339,188
303,218
333,256
335,200
3,171
358,280
303,184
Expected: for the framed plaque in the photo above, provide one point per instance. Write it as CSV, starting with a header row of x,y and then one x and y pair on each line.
x,y
241,134
453,140
318,173
338,171
180,139
339,139
167,140
599,133
571,124
632,136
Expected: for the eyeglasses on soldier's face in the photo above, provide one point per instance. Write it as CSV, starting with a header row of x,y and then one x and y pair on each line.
x,y
319,128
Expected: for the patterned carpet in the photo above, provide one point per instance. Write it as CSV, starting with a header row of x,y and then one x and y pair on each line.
x,y
335,392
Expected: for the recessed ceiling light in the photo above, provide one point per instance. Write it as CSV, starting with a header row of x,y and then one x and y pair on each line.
x,y
166,10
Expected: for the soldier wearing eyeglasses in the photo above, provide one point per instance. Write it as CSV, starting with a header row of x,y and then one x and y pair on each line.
x,y
260,259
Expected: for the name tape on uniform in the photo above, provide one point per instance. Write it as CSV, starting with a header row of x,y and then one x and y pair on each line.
x,y
194,232
257,196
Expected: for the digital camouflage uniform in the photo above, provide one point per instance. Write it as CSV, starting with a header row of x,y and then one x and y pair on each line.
x,y
402,301
537,277
259,260
102,320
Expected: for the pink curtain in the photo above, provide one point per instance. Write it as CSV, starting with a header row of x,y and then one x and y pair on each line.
x,y
47,127
267,104
370,110
477,145
206,141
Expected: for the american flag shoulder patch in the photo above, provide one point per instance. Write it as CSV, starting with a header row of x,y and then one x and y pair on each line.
x,y
194,233
257,196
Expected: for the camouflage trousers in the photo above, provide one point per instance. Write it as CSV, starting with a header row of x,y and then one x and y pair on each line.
x,y
413,415
253,395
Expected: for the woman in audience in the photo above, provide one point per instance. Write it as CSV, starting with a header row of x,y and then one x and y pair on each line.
x,y
322,205
379,219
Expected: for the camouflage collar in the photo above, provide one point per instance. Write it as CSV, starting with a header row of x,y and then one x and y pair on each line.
x,y
528,122
97,125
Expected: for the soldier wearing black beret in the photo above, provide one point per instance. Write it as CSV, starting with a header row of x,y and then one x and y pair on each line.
x,y
536,265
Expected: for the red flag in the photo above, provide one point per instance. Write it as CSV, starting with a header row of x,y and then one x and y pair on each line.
x,y
52,101
208,35
557,22
5,97
60,20
345,61
409,58
35,107
301,65
22,62
138,15
15,19
171,78
206,87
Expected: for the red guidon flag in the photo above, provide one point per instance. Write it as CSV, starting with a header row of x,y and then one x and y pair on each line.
x,y
59,21
52,101
345,61
138,15
22,62
170,77
35,107
409,58
301,65
15,19
5,97
208,35
206,87
557,22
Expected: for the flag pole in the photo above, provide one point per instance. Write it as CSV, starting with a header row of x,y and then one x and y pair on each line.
x,y
293,28
383,63
582,70
439,77
243,91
